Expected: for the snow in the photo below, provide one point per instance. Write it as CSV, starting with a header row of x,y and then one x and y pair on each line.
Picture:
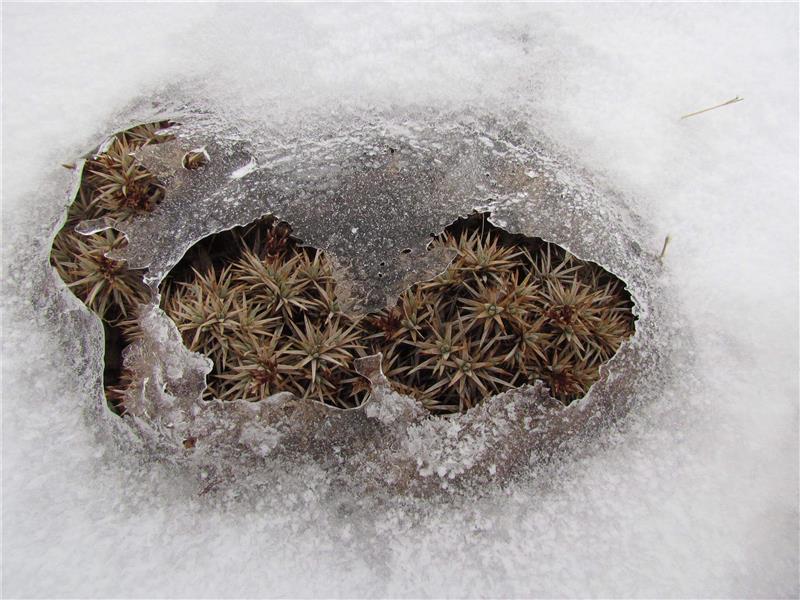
x,y
695,493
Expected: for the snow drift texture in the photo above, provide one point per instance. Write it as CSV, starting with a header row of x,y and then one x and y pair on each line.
x,y
693,493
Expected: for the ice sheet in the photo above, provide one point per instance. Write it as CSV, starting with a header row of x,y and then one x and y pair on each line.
x,y
371,191
694,493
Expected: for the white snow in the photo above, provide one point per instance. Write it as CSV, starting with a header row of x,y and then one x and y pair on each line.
x,y
695,495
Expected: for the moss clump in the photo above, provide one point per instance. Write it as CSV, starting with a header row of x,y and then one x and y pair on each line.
x,y
507,311
264,309
114,186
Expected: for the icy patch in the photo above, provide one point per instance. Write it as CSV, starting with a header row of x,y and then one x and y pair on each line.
x,y
374,214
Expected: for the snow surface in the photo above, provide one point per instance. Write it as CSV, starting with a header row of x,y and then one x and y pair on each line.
x,y
695,494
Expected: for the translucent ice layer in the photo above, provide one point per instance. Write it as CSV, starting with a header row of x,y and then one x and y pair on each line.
x,y
371,191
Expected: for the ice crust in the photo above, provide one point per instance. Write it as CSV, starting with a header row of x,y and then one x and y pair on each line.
x,y
395,180
692,493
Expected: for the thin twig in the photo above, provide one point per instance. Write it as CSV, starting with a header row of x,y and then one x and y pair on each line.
x,y
732,101
664,248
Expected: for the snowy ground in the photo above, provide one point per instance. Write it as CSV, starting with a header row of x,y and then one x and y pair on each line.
x,y
697,495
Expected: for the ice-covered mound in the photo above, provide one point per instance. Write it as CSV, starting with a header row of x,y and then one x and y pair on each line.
x,y
370,191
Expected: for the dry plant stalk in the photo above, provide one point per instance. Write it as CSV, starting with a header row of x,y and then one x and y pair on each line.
x,y
700,112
